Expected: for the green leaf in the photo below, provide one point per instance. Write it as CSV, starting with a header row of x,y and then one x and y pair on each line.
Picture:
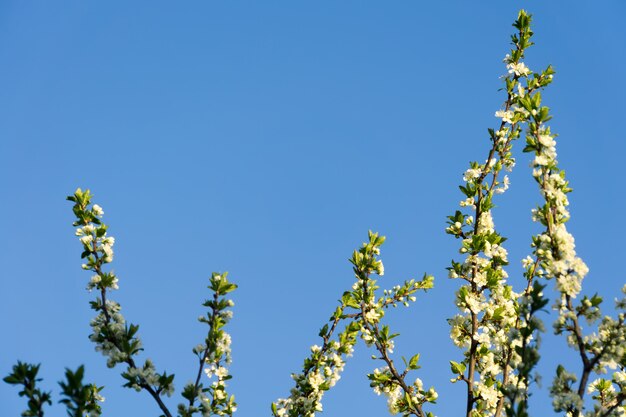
x,y
413,361
457,368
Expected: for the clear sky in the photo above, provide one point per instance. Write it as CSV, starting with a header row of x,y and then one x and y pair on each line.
x,y
266,138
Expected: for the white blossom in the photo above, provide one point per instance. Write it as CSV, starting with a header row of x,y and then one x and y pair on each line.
x,y
505,115
519,68
97,210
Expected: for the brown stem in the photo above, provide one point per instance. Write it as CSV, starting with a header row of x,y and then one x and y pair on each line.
x,y
214,312
129,360
509,355
326,339
472,367
417,411
576,329
474,345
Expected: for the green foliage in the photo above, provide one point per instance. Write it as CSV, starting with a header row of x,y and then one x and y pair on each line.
x,y
80,400
25,374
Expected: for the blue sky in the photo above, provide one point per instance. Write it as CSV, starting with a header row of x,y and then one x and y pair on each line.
x,y
266,138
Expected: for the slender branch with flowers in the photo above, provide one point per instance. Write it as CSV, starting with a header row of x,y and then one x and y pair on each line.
x,y
363,312
114,338
489,323
555,253
214,355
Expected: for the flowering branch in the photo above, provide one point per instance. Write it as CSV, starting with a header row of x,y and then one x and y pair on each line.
x,y
213,356
322,369
490,324
555,252
402,397
113,337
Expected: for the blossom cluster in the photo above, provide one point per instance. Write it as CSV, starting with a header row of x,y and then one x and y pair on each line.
x,y
555,247
402,399
321,372
609,394
321,369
